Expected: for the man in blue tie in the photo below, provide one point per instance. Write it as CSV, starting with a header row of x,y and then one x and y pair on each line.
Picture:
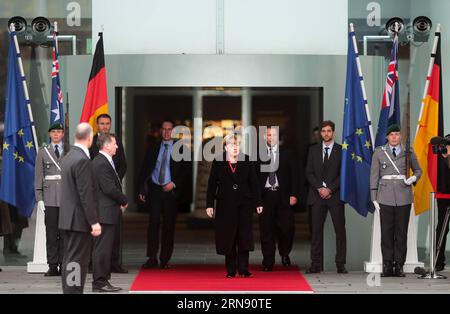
x,y
160,183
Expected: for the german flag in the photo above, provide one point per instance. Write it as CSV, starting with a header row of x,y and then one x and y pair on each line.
x,y
96,100
430,125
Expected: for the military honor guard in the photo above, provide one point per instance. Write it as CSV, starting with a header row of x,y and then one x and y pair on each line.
x,y
392,196
48,195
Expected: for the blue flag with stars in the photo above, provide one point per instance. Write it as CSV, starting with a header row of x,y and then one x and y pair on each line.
x,y
19,152
357,146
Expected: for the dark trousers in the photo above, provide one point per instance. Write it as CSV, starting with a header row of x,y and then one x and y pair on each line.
x,y
77,249
394,233
54,237
116,258
276,225
442,210
236,260
11,241
101,255
319,215
162,204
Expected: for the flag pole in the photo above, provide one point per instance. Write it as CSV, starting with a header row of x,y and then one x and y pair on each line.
x,y
25,88
430,69
363,87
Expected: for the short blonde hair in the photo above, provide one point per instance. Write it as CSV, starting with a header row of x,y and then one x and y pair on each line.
x,y
231,137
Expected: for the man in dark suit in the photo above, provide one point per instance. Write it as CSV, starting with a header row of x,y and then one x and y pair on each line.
x,y
78,215
323,174
120,163
111,201
161,180
279,186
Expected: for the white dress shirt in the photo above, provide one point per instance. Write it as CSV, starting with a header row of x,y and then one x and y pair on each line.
x,y
274,155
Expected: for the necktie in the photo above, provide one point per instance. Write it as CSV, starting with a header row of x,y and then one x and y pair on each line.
x,y
162,170
114,166
57,151
393,152
327,155
326,159
115,171
272,179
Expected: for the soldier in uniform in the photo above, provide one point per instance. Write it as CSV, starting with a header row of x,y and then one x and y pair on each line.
x,y
392,196
48,195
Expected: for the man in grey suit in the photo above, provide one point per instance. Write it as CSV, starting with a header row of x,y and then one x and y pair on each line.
x,y
47,184
392,195
111,201
78,212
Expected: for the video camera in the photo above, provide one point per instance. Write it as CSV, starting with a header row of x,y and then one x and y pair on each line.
x,y
439,144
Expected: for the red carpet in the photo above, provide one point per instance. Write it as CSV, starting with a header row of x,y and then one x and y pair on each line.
x,y
211,278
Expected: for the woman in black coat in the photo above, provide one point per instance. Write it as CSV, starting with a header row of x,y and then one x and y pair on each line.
x,y
233,182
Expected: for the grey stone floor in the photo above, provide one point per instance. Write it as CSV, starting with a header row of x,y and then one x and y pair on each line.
x,y
196,246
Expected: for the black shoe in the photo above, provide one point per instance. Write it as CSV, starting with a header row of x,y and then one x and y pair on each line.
x,y
398,271
119,270
341,269
439,267
52,272
165,266
150,264
388,270
106,288
231,275
245,274
267,268
285,260
313,270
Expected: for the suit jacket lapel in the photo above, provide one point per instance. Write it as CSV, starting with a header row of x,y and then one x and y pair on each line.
x,y
111,169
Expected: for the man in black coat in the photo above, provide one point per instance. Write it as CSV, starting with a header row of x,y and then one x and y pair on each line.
x,y
78,215
279,186
111,201
120,163
323,174
161,181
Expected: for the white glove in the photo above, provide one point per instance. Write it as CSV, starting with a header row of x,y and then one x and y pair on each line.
x,y
410,180
377,205
41,206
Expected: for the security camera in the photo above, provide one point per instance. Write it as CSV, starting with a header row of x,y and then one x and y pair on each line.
x,y
421,28
394,22
20,24
35,34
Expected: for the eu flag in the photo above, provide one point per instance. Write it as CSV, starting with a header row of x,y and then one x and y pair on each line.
x,y
357,143
19,152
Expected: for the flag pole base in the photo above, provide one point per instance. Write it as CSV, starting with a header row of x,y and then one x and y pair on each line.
x,y
432,276
377,267
37,267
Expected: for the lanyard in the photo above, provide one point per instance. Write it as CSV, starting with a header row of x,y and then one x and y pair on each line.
x,y
231,167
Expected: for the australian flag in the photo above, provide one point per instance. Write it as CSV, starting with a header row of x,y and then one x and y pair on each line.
x,y
357,146
57,107
390,105
19,151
